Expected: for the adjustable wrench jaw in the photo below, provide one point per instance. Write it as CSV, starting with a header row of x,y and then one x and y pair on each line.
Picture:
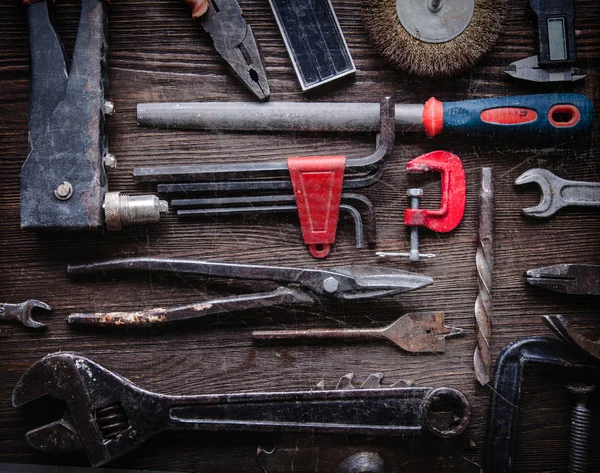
x,y
103,415
453,182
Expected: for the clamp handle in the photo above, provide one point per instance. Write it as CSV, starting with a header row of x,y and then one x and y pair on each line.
x,y
452,205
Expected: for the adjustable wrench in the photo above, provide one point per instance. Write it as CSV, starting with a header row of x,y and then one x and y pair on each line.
x,y
109,416
22,312
558,193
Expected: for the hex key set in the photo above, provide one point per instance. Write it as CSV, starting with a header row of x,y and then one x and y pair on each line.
x,y
416,309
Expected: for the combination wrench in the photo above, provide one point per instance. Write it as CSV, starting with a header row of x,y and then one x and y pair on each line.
x,y
557,193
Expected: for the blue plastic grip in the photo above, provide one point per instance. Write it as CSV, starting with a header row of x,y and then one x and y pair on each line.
x,y
542,117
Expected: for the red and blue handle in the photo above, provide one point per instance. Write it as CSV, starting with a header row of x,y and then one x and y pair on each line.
x,y
548,117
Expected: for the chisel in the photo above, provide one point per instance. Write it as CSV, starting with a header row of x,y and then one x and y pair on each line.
x,y
548,117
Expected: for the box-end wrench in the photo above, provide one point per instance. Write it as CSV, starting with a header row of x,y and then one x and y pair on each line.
x,y
109,416
558,193
22,312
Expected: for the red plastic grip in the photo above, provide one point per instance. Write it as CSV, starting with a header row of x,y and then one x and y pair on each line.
x,y
508,115
317,182
433,117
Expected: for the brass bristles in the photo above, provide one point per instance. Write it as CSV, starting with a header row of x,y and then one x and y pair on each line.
x,y
432,60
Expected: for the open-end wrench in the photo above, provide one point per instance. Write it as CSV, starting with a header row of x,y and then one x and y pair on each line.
x,y
22,312
558,193
109,416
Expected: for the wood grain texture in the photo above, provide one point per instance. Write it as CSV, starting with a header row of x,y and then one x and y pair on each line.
x,y
158,53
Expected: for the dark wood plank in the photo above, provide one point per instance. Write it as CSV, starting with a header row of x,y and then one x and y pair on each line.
x,y
157,53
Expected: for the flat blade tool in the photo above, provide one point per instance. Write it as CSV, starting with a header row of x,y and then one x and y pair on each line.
x,y
567,278
419,332
542,117
234,40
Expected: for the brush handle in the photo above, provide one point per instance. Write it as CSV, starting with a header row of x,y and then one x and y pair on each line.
x,y
542,117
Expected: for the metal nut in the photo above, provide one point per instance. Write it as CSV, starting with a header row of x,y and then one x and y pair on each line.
x,y
331,285
108,108
63,191
110,161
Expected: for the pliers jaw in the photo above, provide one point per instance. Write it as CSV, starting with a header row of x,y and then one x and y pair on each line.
x,y
234,41
567,278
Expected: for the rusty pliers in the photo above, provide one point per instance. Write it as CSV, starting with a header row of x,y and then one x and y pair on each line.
x,y
302,286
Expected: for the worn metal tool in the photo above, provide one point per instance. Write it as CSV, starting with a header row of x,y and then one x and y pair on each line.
x,y
452,205
23,312
63,180
484,261
556,56
316,184
234,41
541,118
418,332
559,325
557,193
506,391
305,286
567,278
269,204
109,416
23,468
343,454
580,437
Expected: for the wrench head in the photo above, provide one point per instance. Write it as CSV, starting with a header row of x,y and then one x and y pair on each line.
x,y
550,201
30,306
105,412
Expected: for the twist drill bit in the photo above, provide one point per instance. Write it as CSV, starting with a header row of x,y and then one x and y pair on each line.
x,y
485,265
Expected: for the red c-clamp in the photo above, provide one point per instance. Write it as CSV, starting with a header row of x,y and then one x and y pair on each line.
x,y
452,206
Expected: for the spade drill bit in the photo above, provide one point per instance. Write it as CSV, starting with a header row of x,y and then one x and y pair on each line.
x,y
423,332
485,266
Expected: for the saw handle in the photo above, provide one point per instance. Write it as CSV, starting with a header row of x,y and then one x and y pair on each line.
x,y
542,117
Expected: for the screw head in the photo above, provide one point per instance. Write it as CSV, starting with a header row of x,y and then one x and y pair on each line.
x,y
63,191
331,285
110,161
414,192
108,108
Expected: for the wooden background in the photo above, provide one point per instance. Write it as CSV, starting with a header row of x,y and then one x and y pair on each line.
x,y
157,53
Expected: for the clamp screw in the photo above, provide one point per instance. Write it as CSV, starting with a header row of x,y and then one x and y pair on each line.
x,y
414,195
331,285
108,108
64,191
581,428
110,161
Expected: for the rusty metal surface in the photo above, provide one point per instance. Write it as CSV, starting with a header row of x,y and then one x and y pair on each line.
x,y
484,260
419,332
111,416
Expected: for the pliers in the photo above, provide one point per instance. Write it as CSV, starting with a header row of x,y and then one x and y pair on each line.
x,y
567,278
234,41
305,286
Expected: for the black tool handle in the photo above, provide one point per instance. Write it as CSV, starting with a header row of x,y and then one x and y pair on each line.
x,y
556,31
